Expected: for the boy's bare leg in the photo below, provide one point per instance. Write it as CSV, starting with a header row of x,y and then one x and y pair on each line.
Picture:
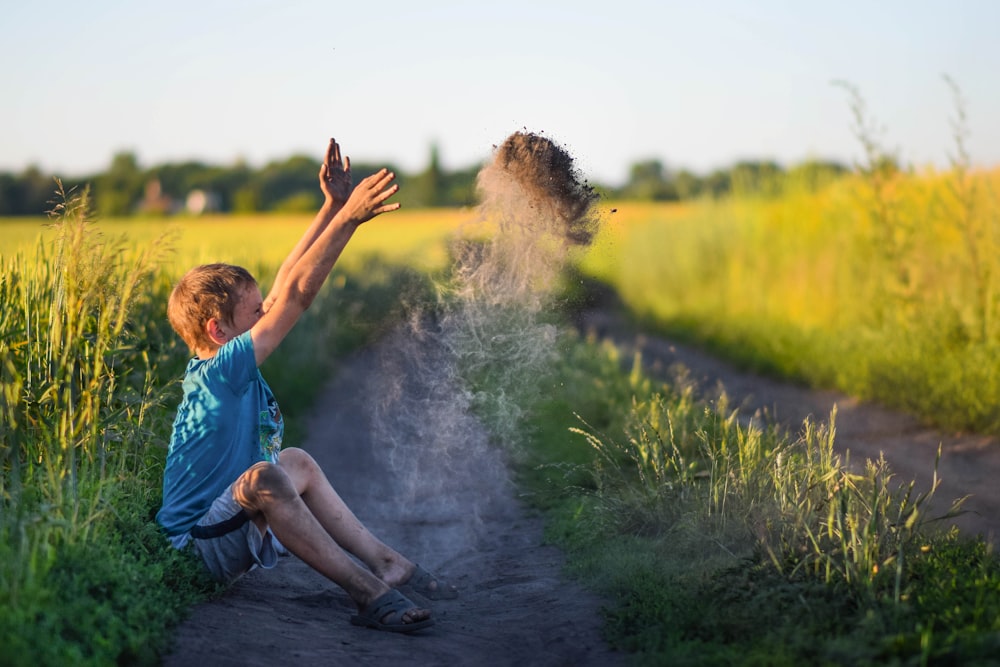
x,y
339,521
267,489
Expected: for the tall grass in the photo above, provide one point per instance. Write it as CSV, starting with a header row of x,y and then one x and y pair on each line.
x,y
88,386
79,350
722,541
699,473
75,388
883,284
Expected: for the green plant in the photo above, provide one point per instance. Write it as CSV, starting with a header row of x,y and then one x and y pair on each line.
x,y
72,396
722,541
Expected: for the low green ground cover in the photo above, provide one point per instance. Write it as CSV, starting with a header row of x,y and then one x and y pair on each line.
x,y
722,543
89,377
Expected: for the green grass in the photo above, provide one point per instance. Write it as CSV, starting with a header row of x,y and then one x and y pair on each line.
x,y
720,543
887,290
83,580
89,373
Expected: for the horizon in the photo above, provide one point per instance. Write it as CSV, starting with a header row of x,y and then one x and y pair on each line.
x,y
697,88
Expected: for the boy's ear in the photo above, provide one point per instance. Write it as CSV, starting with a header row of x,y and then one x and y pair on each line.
x,y
215,331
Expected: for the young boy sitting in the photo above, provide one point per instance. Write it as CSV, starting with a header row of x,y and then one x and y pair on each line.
x,y
226,488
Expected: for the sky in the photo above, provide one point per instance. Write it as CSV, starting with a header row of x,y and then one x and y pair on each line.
x,y
695,85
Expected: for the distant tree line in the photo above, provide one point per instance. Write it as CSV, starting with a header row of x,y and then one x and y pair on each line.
x,y
651,180
126,188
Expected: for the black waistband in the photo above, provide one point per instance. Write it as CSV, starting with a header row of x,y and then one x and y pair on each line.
x,y
234,522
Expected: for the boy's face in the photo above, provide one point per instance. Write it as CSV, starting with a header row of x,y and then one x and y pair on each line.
x,y
247,311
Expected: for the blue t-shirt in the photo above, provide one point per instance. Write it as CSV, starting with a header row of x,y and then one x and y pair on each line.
x,y
227,421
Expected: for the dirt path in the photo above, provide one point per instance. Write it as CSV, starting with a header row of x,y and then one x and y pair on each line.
x,y
467,525
969,464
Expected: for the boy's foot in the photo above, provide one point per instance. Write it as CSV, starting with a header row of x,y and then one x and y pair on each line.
x,y
393,612
425,584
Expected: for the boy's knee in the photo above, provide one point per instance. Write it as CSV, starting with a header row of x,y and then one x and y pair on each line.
x,y
261,483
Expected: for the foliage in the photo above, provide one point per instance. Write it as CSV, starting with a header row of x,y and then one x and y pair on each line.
x,y
722,541
883,284
79,355
120,187
88,370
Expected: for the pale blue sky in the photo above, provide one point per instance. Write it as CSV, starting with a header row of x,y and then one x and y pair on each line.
x,y
694,84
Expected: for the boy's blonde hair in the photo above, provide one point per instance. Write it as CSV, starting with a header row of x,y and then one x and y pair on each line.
x,y
204,292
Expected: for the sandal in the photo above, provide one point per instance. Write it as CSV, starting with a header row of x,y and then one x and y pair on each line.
x,y
425,584
393,605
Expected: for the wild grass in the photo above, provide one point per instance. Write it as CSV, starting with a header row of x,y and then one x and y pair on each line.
x,y
883,285
88,382
724,541
75,391
78,376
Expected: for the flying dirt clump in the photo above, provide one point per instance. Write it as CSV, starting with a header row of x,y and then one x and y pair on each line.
x,y
549,186
532,195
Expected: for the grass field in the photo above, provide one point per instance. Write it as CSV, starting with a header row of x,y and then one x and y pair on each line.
x,y
716,543
888,289
261,241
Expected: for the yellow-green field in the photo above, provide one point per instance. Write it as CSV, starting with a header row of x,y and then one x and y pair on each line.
x,y
886,286
260,242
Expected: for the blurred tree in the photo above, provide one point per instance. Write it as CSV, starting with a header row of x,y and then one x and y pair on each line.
x,y
750,177
718,183
426,188
687,184
118,189
278,181
28,193
460,186
649,180
245,200
814,175
226,182
299,202
10,194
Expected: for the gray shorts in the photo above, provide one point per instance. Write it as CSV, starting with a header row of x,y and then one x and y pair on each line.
x,y
232,555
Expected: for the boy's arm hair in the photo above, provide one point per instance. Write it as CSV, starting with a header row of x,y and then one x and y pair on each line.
x,y
335,182
303,280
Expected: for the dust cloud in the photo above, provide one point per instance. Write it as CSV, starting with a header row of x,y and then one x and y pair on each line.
x,y
456,380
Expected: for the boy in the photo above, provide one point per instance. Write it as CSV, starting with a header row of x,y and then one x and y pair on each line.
x,y
226,488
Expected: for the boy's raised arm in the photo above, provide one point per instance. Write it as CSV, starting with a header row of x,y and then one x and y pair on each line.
x,y
335,182
305,275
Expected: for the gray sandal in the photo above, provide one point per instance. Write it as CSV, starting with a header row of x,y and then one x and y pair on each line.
x,y
392,604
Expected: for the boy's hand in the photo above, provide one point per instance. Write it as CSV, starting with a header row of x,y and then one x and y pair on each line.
x,y
335,175
368,199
